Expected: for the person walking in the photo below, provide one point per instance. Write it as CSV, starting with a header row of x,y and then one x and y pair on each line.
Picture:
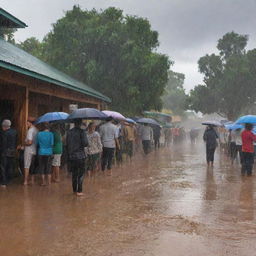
x,y
146,137
94,148
57,152
45,141
210,137
30,151
109,138
247,149
76,142
8,143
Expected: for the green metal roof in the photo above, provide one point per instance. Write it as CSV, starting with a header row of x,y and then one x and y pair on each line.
x,y
9,21
15,59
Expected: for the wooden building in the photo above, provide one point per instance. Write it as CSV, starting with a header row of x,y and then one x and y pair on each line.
x,y
30,87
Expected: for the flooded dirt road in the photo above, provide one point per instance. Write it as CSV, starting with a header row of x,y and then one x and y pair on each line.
x,y
167,204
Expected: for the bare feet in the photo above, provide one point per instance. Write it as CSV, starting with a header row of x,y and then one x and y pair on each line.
x,y
3,186
79,194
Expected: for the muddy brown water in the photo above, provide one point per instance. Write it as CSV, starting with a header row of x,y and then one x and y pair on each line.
x,y
166,204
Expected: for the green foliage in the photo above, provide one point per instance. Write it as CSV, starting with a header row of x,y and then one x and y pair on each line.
x,y
33,46
112,53
175,97
229,79
8,34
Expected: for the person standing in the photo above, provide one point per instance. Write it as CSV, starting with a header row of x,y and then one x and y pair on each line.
x,y
57,152
129,136
94,148
239,143
247,149
8,143
45,141
30,151
210,138
156,136
76,143
109,138
146,137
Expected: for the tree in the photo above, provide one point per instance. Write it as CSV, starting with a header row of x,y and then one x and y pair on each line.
x,y
33,46
112,53
229,79
8,34
174,97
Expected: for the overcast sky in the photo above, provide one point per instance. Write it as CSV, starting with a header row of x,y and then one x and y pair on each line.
x,y
188,29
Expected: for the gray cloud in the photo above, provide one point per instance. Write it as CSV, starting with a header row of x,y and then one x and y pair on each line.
x,y
188,29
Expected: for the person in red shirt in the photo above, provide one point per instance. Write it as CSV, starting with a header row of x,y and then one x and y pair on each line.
x,y
247,149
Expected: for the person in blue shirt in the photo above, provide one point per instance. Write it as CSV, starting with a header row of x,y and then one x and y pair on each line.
x,y
45,141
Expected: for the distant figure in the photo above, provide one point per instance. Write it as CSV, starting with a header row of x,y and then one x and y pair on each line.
x,y
30,151
146,137
156,136
210,138
76,143
193,135
247,149
109,138
8,141
45,142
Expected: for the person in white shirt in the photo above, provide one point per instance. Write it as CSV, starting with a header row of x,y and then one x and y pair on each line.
x,y
30,151
109,138
239,143
146,137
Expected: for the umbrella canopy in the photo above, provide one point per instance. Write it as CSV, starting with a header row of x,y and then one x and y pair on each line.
x,y
129,120
87,113
52,117
148,121
251,119
213,123
233,126
114,114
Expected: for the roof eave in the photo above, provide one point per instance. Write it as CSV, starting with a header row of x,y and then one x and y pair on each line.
x,y
30,73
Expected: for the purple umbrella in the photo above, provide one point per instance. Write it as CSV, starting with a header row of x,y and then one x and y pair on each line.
x,y
114,114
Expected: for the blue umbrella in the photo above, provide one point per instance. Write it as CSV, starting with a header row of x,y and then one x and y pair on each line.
x,y
148,121
233,126
129,120
87,113
52,117
250,119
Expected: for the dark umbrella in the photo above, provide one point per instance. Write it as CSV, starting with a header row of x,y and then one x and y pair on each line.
x,y
87,113
149,121
213,123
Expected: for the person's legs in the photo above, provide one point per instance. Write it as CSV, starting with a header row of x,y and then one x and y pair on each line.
x,y
10,168
56,162
3,171
250,163
110,157
104,159
80,177
74,171
144,146
207,155
27,163
42,168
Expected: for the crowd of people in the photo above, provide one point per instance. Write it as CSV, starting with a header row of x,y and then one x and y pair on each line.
x,y
236,143
79,148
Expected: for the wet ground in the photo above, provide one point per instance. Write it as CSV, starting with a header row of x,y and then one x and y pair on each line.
x,y
167,204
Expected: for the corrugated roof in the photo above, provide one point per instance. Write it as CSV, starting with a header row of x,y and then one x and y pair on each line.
x,y
9,21
15,59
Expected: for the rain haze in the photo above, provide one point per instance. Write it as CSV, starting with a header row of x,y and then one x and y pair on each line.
x,y
187,29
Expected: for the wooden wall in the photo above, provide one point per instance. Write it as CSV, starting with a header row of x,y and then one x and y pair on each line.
x,y
32,97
